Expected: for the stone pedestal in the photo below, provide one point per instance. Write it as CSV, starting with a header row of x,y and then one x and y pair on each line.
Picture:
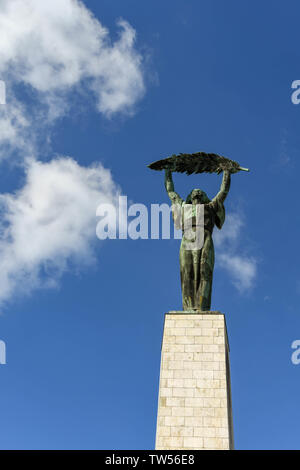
x,y
194,404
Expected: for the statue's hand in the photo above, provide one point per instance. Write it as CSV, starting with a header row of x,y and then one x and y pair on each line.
x,y
230,171
169,180
235,169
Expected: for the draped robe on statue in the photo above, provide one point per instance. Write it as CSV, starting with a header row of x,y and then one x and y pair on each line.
x,y
196,265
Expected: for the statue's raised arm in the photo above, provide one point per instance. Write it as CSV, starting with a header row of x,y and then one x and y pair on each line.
x,y
224,189
169,185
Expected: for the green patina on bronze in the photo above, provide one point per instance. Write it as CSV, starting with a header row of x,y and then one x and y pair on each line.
x,y
196,265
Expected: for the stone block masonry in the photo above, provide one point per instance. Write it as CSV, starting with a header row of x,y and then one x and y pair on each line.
x,y
194,403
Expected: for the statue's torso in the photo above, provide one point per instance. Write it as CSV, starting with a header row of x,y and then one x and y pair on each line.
x,y
190,220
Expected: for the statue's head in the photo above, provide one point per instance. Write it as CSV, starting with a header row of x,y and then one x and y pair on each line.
x,y
197,196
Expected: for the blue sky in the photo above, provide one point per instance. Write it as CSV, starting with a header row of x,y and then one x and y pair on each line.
x,y
82,319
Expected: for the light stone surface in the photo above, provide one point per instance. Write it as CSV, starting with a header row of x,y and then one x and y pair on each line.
x,y
194,403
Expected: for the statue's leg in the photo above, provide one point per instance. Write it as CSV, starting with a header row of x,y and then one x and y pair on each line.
x,y
187,276
197,276
206,274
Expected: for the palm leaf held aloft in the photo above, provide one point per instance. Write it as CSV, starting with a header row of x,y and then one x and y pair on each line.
x,y
197,163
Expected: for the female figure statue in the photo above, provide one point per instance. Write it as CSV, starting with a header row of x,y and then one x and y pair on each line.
x,y
196,265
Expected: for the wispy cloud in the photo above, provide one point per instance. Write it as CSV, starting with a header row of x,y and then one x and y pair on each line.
x,y
53,53
241,267
54,46
49,225
284,160
56,50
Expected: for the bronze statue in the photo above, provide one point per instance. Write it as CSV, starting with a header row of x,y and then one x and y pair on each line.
x,y
196,265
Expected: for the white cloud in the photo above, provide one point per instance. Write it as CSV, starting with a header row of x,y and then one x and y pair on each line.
x,y
16,130
49,225
55,45
230,231
241,267
61,54
54,53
